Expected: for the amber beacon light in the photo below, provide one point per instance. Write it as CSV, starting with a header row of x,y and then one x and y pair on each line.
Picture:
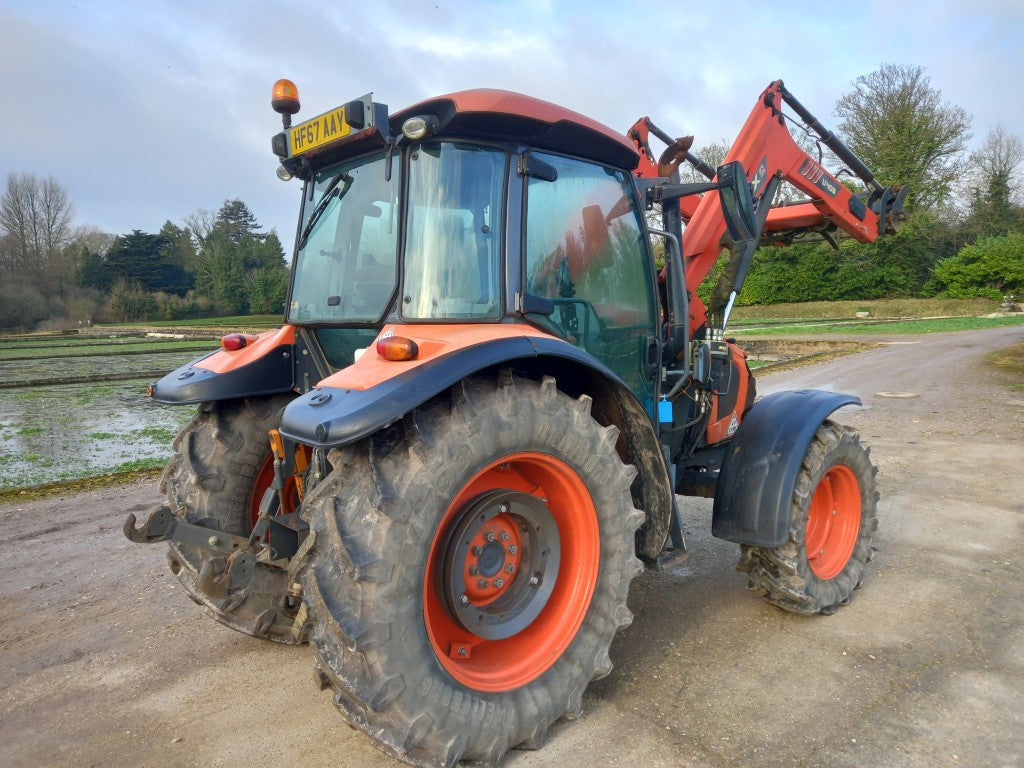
x,y
285,100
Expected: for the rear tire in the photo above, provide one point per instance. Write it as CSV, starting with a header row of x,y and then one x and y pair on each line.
x,y
215,479
393,571
831,526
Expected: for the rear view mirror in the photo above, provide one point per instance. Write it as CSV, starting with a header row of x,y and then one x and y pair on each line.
x,y
737,202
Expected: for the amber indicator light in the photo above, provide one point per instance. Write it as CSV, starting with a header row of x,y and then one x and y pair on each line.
x,y
397,348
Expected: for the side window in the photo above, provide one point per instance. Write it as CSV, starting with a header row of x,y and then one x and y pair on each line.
x,y
453,233
585,252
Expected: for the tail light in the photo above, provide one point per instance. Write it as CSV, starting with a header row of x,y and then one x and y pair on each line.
x,y
235,341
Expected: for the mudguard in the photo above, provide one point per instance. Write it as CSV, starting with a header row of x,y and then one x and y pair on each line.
x,y
755,485
332,416
264,367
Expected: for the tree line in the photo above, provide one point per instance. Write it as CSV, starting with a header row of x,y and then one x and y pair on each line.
x,y
54,274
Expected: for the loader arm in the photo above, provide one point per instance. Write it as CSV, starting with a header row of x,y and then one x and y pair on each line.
x,y
767,151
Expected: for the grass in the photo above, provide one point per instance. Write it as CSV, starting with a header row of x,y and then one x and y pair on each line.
x,y
878,308
157,434
1011,361
97,350
45,490
899,327
30,396
245,321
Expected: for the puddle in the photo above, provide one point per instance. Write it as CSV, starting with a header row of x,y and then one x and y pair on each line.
x,y
79,430
61,431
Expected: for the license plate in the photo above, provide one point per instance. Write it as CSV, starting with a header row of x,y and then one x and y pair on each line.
x,y
321,130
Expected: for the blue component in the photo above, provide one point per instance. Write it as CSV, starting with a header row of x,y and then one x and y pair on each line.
x,y
664,411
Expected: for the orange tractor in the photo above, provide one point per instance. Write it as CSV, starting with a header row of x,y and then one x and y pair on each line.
x,y
486,397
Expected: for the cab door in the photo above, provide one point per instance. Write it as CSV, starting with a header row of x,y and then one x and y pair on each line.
x,y
586,252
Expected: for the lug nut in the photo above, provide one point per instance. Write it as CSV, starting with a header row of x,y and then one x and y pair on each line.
x,y
478,551
489,536
464,599
462,651
534,581
499,583
503,508
510,568
513,549
483,584
505,536
473,570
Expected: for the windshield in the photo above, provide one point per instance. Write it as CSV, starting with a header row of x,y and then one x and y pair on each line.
x,y
345,268
453,239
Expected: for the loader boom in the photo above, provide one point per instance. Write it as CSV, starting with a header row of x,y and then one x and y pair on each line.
x,y
769,154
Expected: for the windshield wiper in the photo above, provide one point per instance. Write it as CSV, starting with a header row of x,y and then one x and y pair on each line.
x,y
330,193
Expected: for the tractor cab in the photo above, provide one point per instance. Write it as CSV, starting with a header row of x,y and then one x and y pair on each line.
x,y
479,207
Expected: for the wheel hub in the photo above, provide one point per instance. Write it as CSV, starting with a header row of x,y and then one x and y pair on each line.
x,y
501,563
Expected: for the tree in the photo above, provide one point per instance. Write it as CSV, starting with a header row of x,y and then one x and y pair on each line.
x,y
179,249
236,222
35,228
991,267
265,290
200,225
901,127
129,302
92,271
148,260
221,274
713,154
994,184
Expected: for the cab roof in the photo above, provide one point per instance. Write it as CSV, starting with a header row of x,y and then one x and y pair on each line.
x,y
488,113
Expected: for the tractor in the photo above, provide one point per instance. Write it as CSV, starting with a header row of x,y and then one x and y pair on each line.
x,y
494,382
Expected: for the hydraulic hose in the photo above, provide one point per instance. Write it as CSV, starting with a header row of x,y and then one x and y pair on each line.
x,y
830,140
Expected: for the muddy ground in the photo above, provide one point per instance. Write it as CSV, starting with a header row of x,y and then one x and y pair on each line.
x,y
104,662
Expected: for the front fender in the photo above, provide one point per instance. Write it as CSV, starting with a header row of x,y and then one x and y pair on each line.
x,y
330,416
755,485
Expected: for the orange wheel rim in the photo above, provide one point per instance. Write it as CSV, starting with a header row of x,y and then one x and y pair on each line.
x,y
511,572
833,522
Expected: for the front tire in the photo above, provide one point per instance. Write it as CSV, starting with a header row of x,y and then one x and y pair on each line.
x,y
511,483
221,466
831,527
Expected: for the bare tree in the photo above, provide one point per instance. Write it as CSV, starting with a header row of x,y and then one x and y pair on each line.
x,y
993,186
200,224
35,225
900,125
998,161
93,238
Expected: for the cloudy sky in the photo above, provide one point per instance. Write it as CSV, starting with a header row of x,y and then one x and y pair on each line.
x,y
146,110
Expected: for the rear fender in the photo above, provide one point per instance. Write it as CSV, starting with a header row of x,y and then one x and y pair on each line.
x,y
351,405
755,485
265,366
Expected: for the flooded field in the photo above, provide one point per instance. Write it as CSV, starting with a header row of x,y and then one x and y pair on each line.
x,y
73,407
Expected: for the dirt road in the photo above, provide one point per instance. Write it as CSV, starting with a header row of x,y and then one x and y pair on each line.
x,y
104,662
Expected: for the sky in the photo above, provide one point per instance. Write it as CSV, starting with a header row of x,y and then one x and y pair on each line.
x,y
147,110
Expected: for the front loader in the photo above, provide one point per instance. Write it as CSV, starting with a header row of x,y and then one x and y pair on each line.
x,y
485,399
